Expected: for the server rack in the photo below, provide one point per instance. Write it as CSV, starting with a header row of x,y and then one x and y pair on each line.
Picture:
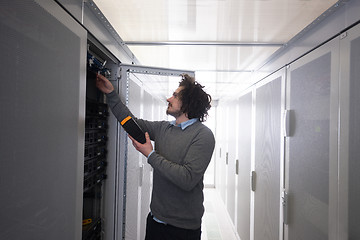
x,y
98,146
95,160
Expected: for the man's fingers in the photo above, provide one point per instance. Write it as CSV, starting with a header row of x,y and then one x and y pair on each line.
x,y
135,143
147,137
100,79
132,139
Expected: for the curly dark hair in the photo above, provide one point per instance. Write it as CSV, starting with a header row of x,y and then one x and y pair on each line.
x,y
195,101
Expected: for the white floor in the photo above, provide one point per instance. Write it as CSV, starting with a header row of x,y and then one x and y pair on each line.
x,y
216,223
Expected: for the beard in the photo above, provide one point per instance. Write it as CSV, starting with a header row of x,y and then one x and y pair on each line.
x,y
174,113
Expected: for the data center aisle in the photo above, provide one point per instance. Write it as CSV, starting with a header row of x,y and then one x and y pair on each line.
x,y
216,224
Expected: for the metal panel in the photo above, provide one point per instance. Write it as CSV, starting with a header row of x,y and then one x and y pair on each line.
x,y
267,160
42,121
312,145
244,156
146,182
349,167
354,141
114,182
96,24
231,133
157,71
220,151
121,163
223,110
133,188
74,7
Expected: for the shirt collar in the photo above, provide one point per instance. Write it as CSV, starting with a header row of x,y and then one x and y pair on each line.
x,y
185,124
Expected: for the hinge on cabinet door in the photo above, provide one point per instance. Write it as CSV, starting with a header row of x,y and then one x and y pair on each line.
x,y
118,73
237,167
253,180
343,35
285,205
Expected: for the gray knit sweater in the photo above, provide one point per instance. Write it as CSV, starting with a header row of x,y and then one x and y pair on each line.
x,y
179,162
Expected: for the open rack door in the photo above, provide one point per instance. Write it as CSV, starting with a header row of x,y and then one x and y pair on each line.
x,y
144,90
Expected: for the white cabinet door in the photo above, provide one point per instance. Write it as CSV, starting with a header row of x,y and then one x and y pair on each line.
x,y
244,166
311,177
267,160
42,121
349,152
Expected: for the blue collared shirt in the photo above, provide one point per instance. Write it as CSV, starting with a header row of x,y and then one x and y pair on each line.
x,y
185,124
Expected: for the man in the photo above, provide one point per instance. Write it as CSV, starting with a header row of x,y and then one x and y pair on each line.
x,y
183,150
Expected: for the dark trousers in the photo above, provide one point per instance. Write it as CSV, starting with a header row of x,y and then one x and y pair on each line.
x,y
160,231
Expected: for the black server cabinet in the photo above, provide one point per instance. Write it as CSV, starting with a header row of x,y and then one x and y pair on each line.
x,y
95,154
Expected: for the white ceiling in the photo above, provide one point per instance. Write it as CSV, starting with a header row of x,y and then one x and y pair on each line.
x,y
224,41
